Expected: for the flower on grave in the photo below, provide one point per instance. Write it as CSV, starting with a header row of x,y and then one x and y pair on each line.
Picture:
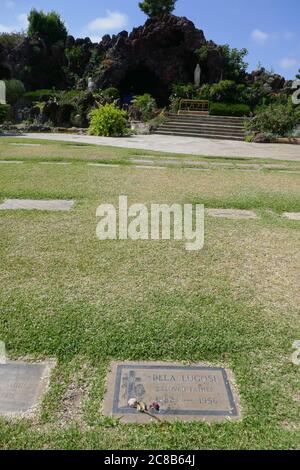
x,y
155,406
133,403
142,407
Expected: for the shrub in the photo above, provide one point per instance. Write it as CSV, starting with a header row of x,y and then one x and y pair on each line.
x,y
224,91
111,94
11,40
225,109
275,119
188,91
297,113
39,95
108,121
77,59
3,112
179,92
204,92
146,105
14,91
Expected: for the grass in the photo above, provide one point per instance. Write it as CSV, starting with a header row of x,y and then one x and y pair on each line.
x,y
65,295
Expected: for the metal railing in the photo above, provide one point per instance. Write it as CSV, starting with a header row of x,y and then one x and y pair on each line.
x,y
194,107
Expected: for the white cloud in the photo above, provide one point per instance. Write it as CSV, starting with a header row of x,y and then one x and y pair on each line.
x,y
6,29
21,24
288,63
259,36
114,20
23,20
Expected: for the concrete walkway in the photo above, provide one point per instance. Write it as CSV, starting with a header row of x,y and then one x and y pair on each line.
x,y
185,145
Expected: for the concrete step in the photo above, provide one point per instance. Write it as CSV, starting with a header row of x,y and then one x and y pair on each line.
x,y
201,131
209,116
210,127
230,119
207,123
188,125
204,136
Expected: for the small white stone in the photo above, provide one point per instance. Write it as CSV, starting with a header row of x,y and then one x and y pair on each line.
x,y
231,213
28,204
54,163
292,215
104,165
149,167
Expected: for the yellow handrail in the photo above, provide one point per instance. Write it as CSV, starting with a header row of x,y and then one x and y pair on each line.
x,y
194,105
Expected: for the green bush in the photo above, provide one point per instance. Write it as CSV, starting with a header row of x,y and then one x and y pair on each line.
x,y
224,91
14,91
146,105
11,40
108,121
3,112
227,109
276,119
110,94
39,95
188,92
179,92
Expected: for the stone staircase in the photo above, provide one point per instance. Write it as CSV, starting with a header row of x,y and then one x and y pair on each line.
x,y
209,127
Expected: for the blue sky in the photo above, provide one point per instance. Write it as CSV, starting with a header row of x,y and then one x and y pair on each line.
x,y
269,29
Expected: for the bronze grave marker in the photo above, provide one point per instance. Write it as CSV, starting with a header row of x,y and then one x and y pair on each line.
x,y
170,391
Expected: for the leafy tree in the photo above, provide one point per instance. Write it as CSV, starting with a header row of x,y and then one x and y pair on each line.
x,y
235,66
298,75
231,61
157,7
47,26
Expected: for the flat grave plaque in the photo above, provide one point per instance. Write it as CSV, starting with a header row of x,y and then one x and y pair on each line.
x,y
21,387
292,215
231,213
28,204
188,393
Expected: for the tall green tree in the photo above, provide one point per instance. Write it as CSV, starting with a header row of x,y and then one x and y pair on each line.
x,y
157,7
235,66
298,75
47,26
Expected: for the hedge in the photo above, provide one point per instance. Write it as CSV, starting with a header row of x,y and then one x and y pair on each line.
x,y
40,95
3,112
225,109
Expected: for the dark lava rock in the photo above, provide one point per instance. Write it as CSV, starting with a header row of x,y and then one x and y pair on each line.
x,y
151,58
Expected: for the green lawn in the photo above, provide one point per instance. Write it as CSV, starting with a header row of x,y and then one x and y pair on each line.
x,y
66,295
